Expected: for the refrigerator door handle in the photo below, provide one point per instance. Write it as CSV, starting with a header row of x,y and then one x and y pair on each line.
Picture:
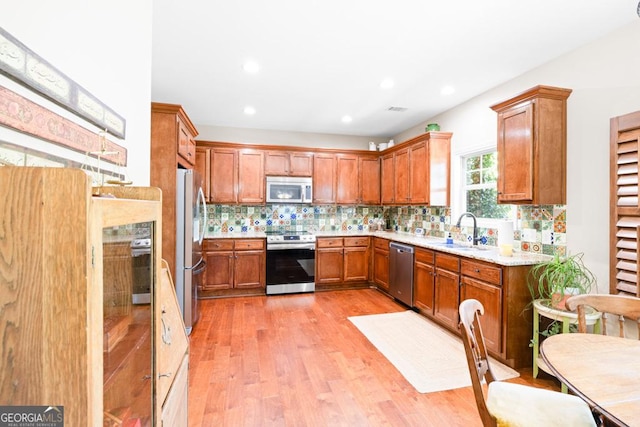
x,y
203,222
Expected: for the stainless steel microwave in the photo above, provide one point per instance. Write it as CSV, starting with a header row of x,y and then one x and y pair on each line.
x,y
285,189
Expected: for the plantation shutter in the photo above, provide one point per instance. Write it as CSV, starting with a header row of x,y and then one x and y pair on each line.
x,y
625,208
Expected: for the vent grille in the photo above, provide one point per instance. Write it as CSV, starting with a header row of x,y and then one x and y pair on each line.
x,y
397,109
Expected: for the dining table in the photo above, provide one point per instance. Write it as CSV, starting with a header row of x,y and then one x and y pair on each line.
x,y
603,370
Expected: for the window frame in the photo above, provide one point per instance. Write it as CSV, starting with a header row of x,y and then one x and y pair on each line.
x,y
461,201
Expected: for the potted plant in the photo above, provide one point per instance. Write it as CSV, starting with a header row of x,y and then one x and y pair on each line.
x,y
559,278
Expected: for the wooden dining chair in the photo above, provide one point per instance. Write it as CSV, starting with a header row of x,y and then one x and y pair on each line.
x,y
624,307
502,403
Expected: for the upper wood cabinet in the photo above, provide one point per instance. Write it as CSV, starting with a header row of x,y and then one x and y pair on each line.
x,y
172,142
286,163
324,178
419,172
231,175
369,179
532,147
251,182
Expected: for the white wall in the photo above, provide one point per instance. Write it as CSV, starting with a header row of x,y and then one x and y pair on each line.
x,y
273,137
105,47
605,82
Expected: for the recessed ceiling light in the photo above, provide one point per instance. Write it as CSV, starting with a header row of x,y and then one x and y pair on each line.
x,y
387,84
251,67
346,119
447,90
249,110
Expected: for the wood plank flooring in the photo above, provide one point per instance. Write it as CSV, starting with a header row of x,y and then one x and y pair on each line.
x,y
295,360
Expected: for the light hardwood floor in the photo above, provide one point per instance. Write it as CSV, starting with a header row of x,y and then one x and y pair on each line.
x,y
295,360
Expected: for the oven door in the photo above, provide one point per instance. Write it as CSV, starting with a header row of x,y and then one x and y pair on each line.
x,y
290,268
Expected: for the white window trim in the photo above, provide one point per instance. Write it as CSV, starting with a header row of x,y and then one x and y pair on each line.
x,y
458,203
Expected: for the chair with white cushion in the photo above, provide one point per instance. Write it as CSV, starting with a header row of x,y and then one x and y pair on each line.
x,y
508,404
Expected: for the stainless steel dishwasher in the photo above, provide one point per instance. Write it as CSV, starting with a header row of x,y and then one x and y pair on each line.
x,y
401,272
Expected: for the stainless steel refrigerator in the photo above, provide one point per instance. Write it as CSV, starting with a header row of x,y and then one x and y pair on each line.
x,y
191,219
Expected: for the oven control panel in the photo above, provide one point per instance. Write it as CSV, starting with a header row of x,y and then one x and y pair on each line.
x,y
294,238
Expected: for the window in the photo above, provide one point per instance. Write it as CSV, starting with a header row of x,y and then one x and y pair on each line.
x,y
480,173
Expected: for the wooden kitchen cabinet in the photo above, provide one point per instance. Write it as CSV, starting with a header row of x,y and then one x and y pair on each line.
x,y
483,282
358,179
381,263
203,166
223,175
447,289
342,260
172,147
285,163
117,365
369,180
532,147
387,180
251,181
324,178
402,177
418,171
424,280
234,264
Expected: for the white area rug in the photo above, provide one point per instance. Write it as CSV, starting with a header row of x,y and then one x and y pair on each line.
x,y
429,357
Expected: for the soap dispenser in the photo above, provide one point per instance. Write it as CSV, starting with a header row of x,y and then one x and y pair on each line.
x,y
449,239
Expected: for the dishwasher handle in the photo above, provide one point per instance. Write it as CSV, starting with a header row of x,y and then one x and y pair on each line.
x,y
401,248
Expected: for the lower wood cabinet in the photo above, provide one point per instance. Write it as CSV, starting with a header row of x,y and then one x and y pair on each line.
x,y
424,280
342,260
447,291
234,264
381,263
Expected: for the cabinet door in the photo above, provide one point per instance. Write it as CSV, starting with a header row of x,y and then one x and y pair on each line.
x,y
439,165
224,175
186,144
249,269
219,272
387,180
369,178
515,154
276,163
381,268
491,298
203,167
251,182
329,263
419,173
356,264
324,178
347,184
424,281
301,164
447,297
402,189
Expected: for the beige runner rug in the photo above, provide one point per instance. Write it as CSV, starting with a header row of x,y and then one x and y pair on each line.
x,y
429,357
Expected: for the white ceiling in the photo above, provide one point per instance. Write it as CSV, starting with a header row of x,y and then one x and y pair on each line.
x,y
323,59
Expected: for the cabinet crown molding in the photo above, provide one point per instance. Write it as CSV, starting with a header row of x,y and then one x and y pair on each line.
x,y
540,91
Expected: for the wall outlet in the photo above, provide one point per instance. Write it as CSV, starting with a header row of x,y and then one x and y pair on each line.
x,y
529,235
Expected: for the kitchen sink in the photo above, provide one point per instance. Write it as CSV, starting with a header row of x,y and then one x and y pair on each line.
x,y
463,247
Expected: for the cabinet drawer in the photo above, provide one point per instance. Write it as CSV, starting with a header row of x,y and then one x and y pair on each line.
x,y
218,244
380,243
447,262
330,243
356,241
249,244
425,256
486,273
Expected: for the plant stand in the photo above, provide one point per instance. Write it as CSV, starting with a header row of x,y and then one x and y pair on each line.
x,y
542,307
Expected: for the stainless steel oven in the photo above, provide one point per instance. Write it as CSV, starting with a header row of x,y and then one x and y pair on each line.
x,y
291,263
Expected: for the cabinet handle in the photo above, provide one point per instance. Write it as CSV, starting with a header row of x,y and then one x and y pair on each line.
x,y
166,329
168,374
477,270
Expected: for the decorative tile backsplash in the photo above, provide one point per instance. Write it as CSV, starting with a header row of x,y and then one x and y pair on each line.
x,y
539,229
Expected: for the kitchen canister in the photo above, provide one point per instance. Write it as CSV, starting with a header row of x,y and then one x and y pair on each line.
x,y
432,127
372,146
390,143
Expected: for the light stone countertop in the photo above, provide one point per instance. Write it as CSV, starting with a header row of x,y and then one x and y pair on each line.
x,y
483,253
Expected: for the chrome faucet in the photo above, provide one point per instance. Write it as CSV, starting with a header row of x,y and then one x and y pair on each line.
x,y
476,239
